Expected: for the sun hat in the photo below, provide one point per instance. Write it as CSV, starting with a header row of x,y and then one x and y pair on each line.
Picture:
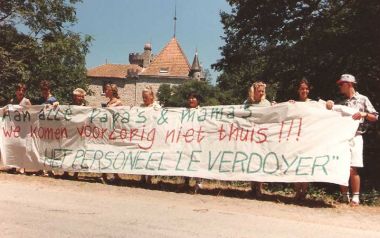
x,y
346,78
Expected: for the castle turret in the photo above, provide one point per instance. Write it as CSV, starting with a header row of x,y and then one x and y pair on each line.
x,y
144,59
196,71
147,55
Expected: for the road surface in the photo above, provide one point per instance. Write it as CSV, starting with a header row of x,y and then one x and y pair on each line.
x,y
33,206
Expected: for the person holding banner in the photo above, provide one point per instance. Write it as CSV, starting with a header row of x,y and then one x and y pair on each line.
x,y
46,95
46,99
193,100
147,95
78,97
303,91
21,100
112,93
77,100
366,113
257,98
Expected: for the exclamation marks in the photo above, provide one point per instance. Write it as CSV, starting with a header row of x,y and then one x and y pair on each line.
x,y
290,129
299,129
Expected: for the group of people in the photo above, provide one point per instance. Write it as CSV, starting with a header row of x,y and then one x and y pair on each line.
x,y
78,98
256,98
353,99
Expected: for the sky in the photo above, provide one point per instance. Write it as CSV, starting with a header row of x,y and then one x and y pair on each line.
x,y
120,27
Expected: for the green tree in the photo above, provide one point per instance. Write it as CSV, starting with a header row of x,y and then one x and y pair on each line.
x,y
176,96
164,93
279,42
208,76
283,41
36,44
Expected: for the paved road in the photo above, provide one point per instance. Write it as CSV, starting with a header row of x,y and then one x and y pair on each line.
x,y
46,207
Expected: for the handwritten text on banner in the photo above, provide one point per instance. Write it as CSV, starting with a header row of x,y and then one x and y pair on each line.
x,y
288,142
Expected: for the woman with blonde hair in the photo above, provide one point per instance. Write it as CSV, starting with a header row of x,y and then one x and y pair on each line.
x,y
148,97
78,99
257,98
112,93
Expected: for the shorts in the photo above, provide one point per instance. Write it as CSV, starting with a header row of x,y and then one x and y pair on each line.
x,y
356,148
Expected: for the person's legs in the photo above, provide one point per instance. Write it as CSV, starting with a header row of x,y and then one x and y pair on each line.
x,y
117,178
65,175
186,182
355,185
354,180
257,188
345,195
300,189
146,179
297,190
104,178
304,186
356,162
198,185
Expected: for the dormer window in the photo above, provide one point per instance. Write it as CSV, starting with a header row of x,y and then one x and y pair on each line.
x,y
164,70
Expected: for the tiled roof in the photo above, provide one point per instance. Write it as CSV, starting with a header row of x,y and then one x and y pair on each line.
x,y
114,71
171,61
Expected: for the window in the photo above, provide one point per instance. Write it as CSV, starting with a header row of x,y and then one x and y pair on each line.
x,y
164,70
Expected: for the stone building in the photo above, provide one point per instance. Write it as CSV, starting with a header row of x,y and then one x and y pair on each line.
x,y
170,66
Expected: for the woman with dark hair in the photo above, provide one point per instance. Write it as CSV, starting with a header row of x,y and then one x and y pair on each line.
x,y
20,98
303,90
46,94
47,98
193,101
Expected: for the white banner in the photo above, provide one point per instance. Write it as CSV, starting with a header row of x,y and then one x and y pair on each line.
x,y
288,142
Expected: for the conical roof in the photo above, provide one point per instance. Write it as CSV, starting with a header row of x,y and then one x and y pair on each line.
x,y
171,61
196,66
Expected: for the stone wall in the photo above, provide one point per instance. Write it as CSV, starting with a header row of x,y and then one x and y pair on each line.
x,y
126,89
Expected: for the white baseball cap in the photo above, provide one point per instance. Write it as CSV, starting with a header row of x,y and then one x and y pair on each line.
x,y
346,78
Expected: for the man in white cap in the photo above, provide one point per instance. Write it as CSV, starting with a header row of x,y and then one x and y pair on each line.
x,y
366,113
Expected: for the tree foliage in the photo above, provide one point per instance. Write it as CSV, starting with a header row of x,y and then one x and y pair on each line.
x,y
36,44
282,41
176,96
